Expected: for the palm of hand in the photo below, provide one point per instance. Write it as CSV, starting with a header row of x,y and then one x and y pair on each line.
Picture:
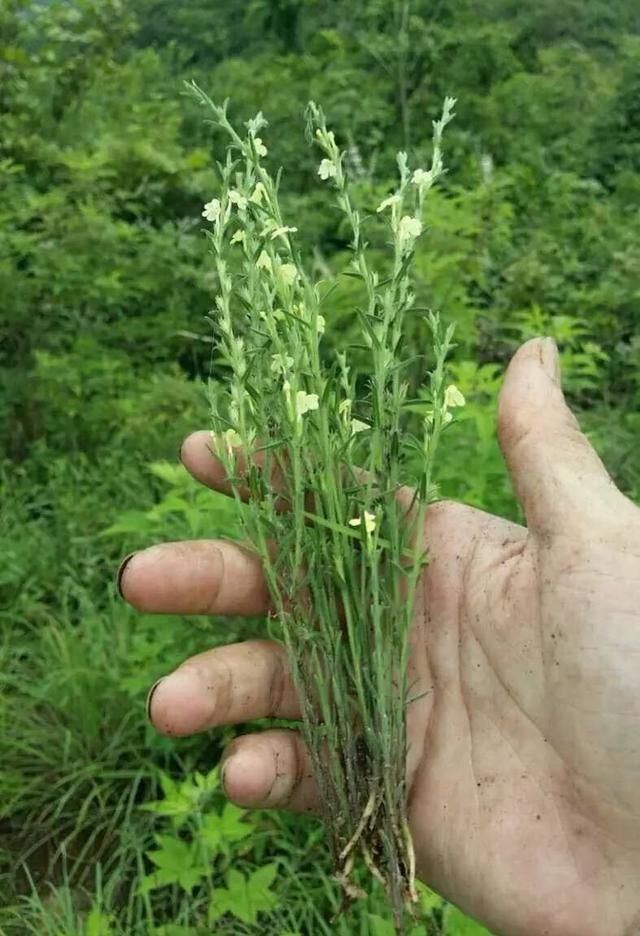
x,y
525,804
524,751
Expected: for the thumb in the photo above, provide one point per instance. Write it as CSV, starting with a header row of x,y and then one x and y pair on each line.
x,y
558,477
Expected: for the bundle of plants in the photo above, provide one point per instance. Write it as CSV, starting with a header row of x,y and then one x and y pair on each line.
x,y
320,456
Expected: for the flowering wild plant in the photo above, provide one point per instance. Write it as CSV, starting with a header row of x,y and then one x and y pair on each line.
x,y
321,460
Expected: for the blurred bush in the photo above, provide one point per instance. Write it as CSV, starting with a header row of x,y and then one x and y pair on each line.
x,y
106,284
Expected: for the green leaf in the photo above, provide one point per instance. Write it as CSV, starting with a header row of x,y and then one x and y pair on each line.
x,y
131,521
457,924
172,854
98,924
177,863
175,475
264,877
184,800
172,503
381,927
429,900
244,897
218,831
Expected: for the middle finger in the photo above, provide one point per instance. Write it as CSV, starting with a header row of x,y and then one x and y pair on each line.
x,y
225,686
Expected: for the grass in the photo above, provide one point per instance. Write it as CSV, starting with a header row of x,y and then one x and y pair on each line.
x,y
107,828
78,761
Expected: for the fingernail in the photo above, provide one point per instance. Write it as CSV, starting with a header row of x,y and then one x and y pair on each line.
x,y
151,694
550,358
180,453
123,565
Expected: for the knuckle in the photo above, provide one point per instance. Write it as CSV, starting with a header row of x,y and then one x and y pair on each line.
x,y
210,603
224,696
295,787
278,685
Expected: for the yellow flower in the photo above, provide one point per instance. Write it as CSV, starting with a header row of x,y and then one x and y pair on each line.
x,y
264,262
280,363
237,198
327,169
258,194
212,210
305,402
261,149
232,439
422,177
282,231
409,228
358,426
388,202
446,418
453,397
289,273
368,519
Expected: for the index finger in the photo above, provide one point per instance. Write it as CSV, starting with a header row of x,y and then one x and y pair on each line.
x,y
198,456
195,577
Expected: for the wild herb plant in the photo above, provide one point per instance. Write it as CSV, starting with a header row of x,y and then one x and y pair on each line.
x,y
321,459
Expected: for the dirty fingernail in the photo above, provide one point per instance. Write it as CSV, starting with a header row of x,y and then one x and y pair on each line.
x,y
123,565
223,771
151,694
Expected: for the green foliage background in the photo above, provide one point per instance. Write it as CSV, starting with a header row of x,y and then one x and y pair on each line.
x,y
105,284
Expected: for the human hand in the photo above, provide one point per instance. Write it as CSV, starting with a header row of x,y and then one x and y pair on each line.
x,y
524,750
